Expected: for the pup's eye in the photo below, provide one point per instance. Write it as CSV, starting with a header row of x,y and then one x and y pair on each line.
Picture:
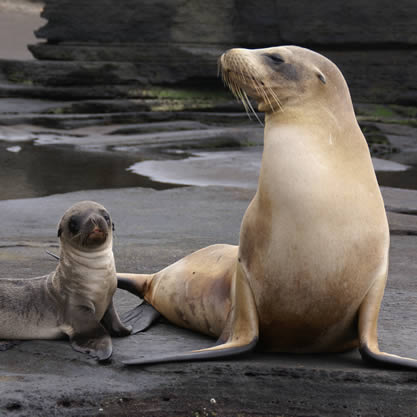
x,y
275,58
107,218
74,225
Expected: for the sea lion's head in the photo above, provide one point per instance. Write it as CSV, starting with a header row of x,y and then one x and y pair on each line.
x,y
280,77
86,225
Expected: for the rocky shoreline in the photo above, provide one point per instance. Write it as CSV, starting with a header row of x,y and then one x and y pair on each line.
x,y
155,228
105,117
47,378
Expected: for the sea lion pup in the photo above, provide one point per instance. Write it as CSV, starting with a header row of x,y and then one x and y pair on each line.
x,y
77,298
311,266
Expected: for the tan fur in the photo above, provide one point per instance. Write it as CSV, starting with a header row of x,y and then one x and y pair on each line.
x,y
313,253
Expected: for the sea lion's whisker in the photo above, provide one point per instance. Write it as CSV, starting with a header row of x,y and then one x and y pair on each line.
x,y
236,90
76,236
241,76
246,103
253,110
276,99
244,77
266,98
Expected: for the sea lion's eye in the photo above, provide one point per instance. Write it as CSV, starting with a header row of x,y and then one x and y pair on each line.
x,y
74,225
107,218
275,58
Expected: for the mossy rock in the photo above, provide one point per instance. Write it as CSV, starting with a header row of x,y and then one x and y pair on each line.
x,y
392,114
378,143
203,94
409,112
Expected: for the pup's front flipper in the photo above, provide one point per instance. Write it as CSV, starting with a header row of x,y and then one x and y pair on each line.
x,y
141,317
88,335
112,323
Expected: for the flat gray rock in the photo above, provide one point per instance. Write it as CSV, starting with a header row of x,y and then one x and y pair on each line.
x,y
400,201
402,224
154,229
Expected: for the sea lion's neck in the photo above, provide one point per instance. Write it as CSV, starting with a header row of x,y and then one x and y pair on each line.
x,y
82,272
93,260
304,147
321,122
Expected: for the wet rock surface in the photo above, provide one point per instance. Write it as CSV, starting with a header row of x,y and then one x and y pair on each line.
x,y
167,125
46,378
155,228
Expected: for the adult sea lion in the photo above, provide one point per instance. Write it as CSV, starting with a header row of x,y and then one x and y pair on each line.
x,y
77,298
311,266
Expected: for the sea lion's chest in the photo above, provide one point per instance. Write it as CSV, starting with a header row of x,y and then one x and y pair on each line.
x,y
313,239
91,283
98,289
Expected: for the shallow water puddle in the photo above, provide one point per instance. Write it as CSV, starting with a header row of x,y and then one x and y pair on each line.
x,y
240,168
28,170
36,171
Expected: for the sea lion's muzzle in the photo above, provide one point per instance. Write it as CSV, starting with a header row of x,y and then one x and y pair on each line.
x,y
95,231
97,236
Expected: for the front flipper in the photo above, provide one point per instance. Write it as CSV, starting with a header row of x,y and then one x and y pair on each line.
x,y
241,335
112,323
88,335
368,333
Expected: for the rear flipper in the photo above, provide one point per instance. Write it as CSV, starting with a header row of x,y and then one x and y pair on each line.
x,y
241,334
144,315
141,317
368,333
222,351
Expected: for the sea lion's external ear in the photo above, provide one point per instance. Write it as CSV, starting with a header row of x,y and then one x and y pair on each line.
x,y
322,78
59,232
112,226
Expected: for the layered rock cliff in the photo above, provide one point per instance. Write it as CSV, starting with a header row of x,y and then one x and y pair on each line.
x,y
179,41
